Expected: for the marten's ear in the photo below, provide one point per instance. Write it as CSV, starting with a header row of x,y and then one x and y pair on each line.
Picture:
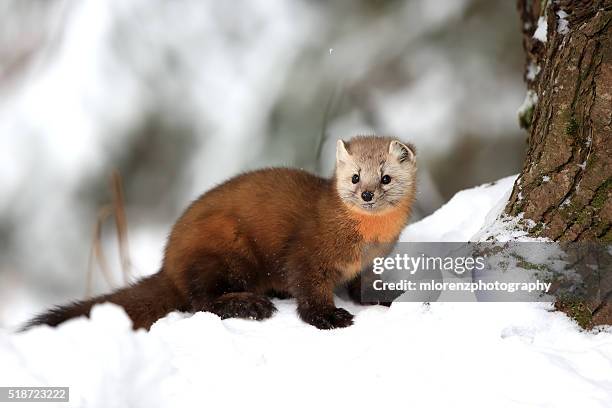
x,y
401,152
342,155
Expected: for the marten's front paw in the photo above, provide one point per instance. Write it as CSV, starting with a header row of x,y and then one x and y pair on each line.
x,y
327,318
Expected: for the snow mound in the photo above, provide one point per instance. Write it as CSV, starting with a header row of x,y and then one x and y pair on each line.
x,y
463,216
413,354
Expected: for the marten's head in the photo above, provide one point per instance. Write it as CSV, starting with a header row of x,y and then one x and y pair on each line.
x,y
375,174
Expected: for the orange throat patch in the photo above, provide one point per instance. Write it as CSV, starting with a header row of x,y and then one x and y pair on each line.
x,y
383,227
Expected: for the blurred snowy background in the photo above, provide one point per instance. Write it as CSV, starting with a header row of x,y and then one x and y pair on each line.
x,y
180,95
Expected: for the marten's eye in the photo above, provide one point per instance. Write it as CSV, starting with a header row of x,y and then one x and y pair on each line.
x,y
386,179
355,178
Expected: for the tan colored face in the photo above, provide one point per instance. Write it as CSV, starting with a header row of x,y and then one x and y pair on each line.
x,y
374,174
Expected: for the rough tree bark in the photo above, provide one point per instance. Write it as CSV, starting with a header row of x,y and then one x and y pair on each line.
x,y
566,182
565,186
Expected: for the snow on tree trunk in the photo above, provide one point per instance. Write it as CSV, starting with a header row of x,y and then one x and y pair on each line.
x,y
565,185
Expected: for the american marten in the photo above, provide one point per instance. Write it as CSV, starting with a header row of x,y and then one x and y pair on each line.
x,y
276,232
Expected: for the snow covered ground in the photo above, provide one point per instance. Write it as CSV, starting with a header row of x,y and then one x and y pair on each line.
x,y
442,354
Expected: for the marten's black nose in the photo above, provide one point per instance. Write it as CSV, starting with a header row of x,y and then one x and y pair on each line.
x,y
367,196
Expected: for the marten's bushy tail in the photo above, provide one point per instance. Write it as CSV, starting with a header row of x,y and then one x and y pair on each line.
x,y
145,302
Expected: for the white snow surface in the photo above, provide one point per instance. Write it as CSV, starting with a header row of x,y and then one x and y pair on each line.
x,y
463,216
411,354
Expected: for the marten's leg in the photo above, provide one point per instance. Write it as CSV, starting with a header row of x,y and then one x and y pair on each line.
x,y
316,307
354,289
314,290
220,272
223,285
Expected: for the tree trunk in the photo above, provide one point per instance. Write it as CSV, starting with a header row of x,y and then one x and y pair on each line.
x,y
564,191
565,186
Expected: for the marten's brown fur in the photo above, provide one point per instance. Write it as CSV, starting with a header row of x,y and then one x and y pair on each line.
x,y
276,232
